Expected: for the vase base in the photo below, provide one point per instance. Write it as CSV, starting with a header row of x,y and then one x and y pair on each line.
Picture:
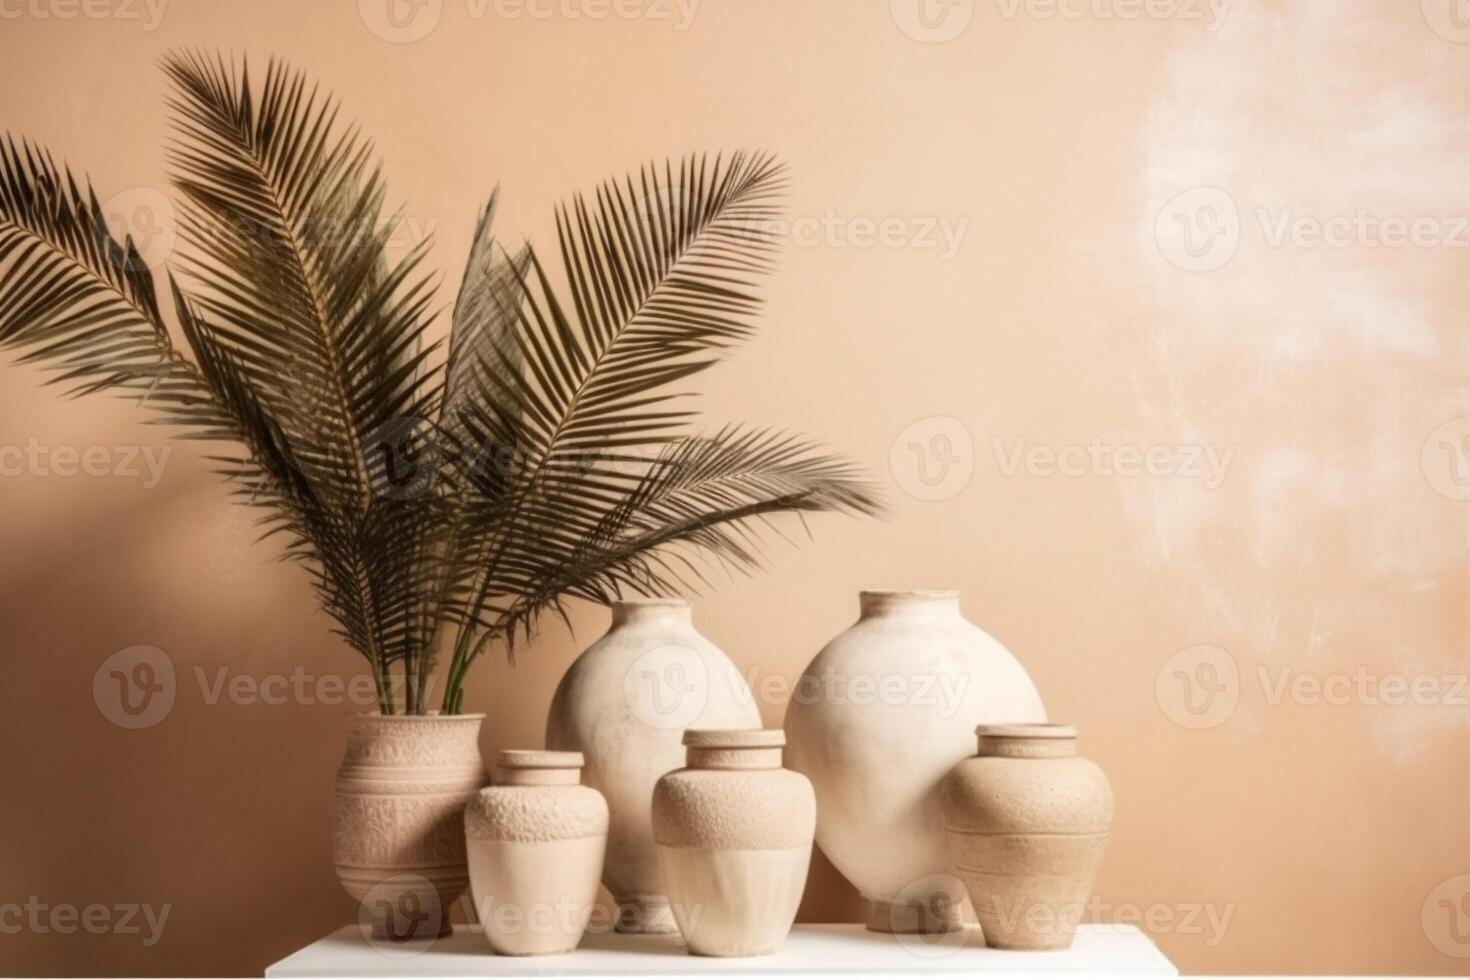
x,y
400,933
646,915
938,916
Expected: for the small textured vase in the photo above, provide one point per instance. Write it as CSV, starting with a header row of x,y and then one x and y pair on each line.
x,y
876,721
624,704
535,842
399,843
734,838
1026,821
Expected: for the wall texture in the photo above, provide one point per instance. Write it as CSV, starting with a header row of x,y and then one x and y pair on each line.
x,y
1152,319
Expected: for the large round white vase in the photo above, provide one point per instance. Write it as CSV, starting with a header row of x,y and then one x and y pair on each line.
x,y
624,704
876,722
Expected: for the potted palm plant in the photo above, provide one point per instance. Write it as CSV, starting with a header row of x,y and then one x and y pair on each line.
x,y
442,496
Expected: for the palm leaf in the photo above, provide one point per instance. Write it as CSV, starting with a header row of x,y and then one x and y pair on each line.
x,y
82,303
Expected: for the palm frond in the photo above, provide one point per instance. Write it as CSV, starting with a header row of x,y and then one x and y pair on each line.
x,y
75,299
301,314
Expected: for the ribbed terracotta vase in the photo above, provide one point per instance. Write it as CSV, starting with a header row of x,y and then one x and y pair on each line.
x,y
876,722
400,798
734,838
535,842
1026,821
624,704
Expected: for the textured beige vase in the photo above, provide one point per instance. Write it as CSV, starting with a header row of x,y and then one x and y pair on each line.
x,y
400,796
1026,821
734,838
876,722
624,704
535,842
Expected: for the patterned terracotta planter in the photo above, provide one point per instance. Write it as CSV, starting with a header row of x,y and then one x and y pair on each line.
x,y
401,793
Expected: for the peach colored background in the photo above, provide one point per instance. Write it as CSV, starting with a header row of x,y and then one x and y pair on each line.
x,y
1330,834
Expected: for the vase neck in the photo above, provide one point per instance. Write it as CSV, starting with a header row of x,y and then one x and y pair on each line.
x,y
1026,741
530,768
914,602
734,748
634,611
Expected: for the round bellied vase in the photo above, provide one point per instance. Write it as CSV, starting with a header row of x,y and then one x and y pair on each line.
x,y
734,834
624,704
1026,820
400,795
535,842
876,721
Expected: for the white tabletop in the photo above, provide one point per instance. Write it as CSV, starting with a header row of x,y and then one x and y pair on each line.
x,y
810,951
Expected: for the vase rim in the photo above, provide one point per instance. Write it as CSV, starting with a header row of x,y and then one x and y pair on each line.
x,y
910,593
734,738
539,759
1041,729
651,602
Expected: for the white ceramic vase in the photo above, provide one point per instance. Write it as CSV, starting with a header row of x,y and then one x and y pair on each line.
x,y
535,843
734,837
400,796
624,704
877,721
